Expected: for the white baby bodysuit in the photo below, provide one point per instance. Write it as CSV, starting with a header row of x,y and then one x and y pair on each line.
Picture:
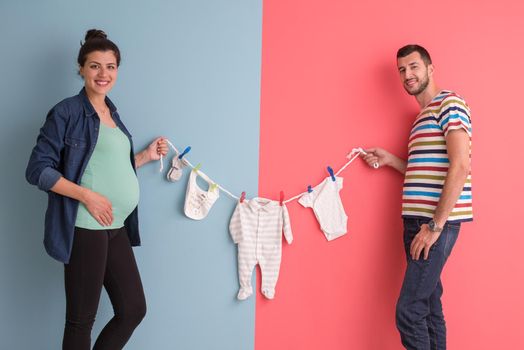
x,y
198,202
327,206
257,226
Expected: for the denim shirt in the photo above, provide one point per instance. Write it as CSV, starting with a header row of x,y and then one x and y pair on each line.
x,y
63,149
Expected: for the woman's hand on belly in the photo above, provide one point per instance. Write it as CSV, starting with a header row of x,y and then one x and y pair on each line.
x,y
98,206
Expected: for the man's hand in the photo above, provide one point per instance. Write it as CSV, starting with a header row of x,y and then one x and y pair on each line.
x,y
423,242
378,156
382,157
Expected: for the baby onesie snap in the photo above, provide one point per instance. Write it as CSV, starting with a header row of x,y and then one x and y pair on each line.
x,y
327,206
256,227
198,202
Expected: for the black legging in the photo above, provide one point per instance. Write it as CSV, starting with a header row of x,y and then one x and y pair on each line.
x,y
102,258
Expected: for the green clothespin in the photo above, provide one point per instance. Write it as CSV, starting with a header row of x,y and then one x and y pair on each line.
x,y
213,187
197,168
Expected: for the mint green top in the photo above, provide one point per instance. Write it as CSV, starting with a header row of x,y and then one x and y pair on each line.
x,y
110,173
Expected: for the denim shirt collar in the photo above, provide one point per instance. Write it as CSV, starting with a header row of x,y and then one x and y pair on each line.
x,y
88,107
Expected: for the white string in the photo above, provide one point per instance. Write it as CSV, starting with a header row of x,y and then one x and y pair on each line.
x,y
352,156
375,165
229,193
172,146
161,156
209,181
199,172
355,153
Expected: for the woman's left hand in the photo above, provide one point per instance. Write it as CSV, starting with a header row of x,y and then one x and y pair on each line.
x,y
152,152
156,148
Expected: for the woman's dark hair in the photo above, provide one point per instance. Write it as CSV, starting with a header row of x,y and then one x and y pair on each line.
x,y
409,49
96,40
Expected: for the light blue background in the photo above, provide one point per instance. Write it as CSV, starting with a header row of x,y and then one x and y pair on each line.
x,y
191,72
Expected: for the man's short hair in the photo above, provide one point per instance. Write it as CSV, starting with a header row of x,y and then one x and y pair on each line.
x,y
409,49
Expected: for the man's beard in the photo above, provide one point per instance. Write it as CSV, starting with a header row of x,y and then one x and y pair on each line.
x,y
423,85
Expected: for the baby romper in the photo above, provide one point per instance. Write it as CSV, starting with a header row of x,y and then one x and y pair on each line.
x,y
256,226
327,206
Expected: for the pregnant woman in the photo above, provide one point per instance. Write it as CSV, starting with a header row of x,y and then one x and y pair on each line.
x,y
84,160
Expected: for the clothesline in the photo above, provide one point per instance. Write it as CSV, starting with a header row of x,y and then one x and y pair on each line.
x,y
263,220
352,156
355,153
193,167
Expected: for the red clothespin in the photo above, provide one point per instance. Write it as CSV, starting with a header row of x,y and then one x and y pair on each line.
x,y
242,197
281,198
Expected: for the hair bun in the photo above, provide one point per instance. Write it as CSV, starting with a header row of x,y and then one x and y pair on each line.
x,y
95,34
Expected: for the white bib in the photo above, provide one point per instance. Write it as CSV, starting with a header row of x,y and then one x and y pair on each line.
x,y
199,202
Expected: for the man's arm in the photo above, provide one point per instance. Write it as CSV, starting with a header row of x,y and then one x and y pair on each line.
x,y
457,143
383,157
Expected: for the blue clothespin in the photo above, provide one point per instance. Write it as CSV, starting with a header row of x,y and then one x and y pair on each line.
x,y
331,173
188,148
309,189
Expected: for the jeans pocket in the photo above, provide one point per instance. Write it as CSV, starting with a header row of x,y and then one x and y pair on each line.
x,y
411,228
451,233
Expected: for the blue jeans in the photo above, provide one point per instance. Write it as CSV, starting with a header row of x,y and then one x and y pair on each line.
x,y
419,316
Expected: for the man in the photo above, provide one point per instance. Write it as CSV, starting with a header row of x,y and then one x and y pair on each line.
x,y
436,196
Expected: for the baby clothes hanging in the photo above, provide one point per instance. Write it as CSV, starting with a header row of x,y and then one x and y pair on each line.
x,y
198,202
256,227
175,173
327,206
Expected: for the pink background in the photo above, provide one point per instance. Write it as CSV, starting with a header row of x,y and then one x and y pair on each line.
x,y
329,83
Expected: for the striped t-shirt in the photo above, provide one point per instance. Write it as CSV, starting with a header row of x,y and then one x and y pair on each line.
x,y
428,161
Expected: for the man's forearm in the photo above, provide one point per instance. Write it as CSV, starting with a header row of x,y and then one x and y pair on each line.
x,y
453,185
398,164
